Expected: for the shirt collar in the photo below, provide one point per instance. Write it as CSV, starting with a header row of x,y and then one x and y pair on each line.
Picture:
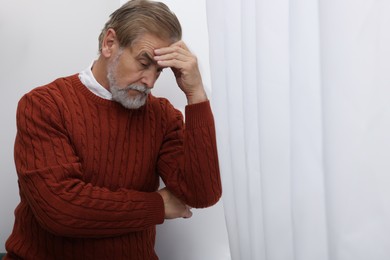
x,y
88,79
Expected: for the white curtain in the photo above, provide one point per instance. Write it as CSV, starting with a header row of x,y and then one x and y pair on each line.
x,y
301,94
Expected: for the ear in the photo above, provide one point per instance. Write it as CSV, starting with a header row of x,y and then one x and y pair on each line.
x,y
110,43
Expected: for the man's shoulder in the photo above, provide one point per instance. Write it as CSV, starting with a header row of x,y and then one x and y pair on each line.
x,y
48,93
52,87
55,84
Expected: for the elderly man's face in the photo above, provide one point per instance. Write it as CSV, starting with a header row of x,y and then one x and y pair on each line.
x,y
132,72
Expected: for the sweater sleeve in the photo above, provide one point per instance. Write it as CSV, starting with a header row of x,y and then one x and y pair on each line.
x,y
50,179
188,162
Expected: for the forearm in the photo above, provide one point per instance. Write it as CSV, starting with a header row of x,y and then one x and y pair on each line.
x,y
194,176
69,207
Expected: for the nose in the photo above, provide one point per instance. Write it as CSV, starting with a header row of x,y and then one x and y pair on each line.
x,y
149,77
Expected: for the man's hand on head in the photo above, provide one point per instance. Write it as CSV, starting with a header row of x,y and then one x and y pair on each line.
x,y
185,67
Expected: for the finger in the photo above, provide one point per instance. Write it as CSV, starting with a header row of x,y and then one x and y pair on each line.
x,y
173,56
172,63
187,213
172,49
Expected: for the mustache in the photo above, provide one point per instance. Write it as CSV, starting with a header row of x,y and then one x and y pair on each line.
x,y
142,89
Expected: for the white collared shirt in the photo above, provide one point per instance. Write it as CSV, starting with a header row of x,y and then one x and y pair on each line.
x,y
86,77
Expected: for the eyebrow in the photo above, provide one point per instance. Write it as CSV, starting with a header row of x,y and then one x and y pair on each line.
x,y
148,57
151,60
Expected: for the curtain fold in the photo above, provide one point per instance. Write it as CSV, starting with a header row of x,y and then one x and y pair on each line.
x,y
300,94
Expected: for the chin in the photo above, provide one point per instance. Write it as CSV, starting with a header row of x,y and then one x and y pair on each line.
x,y
133,102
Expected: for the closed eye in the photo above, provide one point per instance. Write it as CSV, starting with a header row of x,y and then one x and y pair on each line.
x,y
146,61
145,64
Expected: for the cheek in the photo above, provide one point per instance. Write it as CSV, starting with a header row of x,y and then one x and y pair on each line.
x,y
126,76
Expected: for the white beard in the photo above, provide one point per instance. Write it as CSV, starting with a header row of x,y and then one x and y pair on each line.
x,y
120,94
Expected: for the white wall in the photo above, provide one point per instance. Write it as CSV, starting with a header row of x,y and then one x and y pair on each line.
x,y
45,39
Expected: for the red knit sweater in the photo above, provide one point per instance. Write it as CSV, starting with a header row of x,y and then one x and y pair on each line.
x,y
88,171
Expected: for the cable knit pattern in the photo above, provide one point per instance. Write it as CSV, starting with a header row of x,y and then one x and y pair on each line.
x,y
88,170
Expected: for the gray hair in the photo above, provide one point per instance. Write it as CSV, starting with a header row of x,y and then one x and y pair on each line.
x,y
137,17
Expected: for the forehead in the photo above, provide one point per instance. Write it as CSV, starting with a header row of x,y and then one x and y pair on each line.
x,y
149,42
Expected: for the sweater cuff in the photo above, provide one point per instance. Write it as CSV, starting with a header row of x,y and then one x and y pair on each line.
x,y
199,115
157,210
